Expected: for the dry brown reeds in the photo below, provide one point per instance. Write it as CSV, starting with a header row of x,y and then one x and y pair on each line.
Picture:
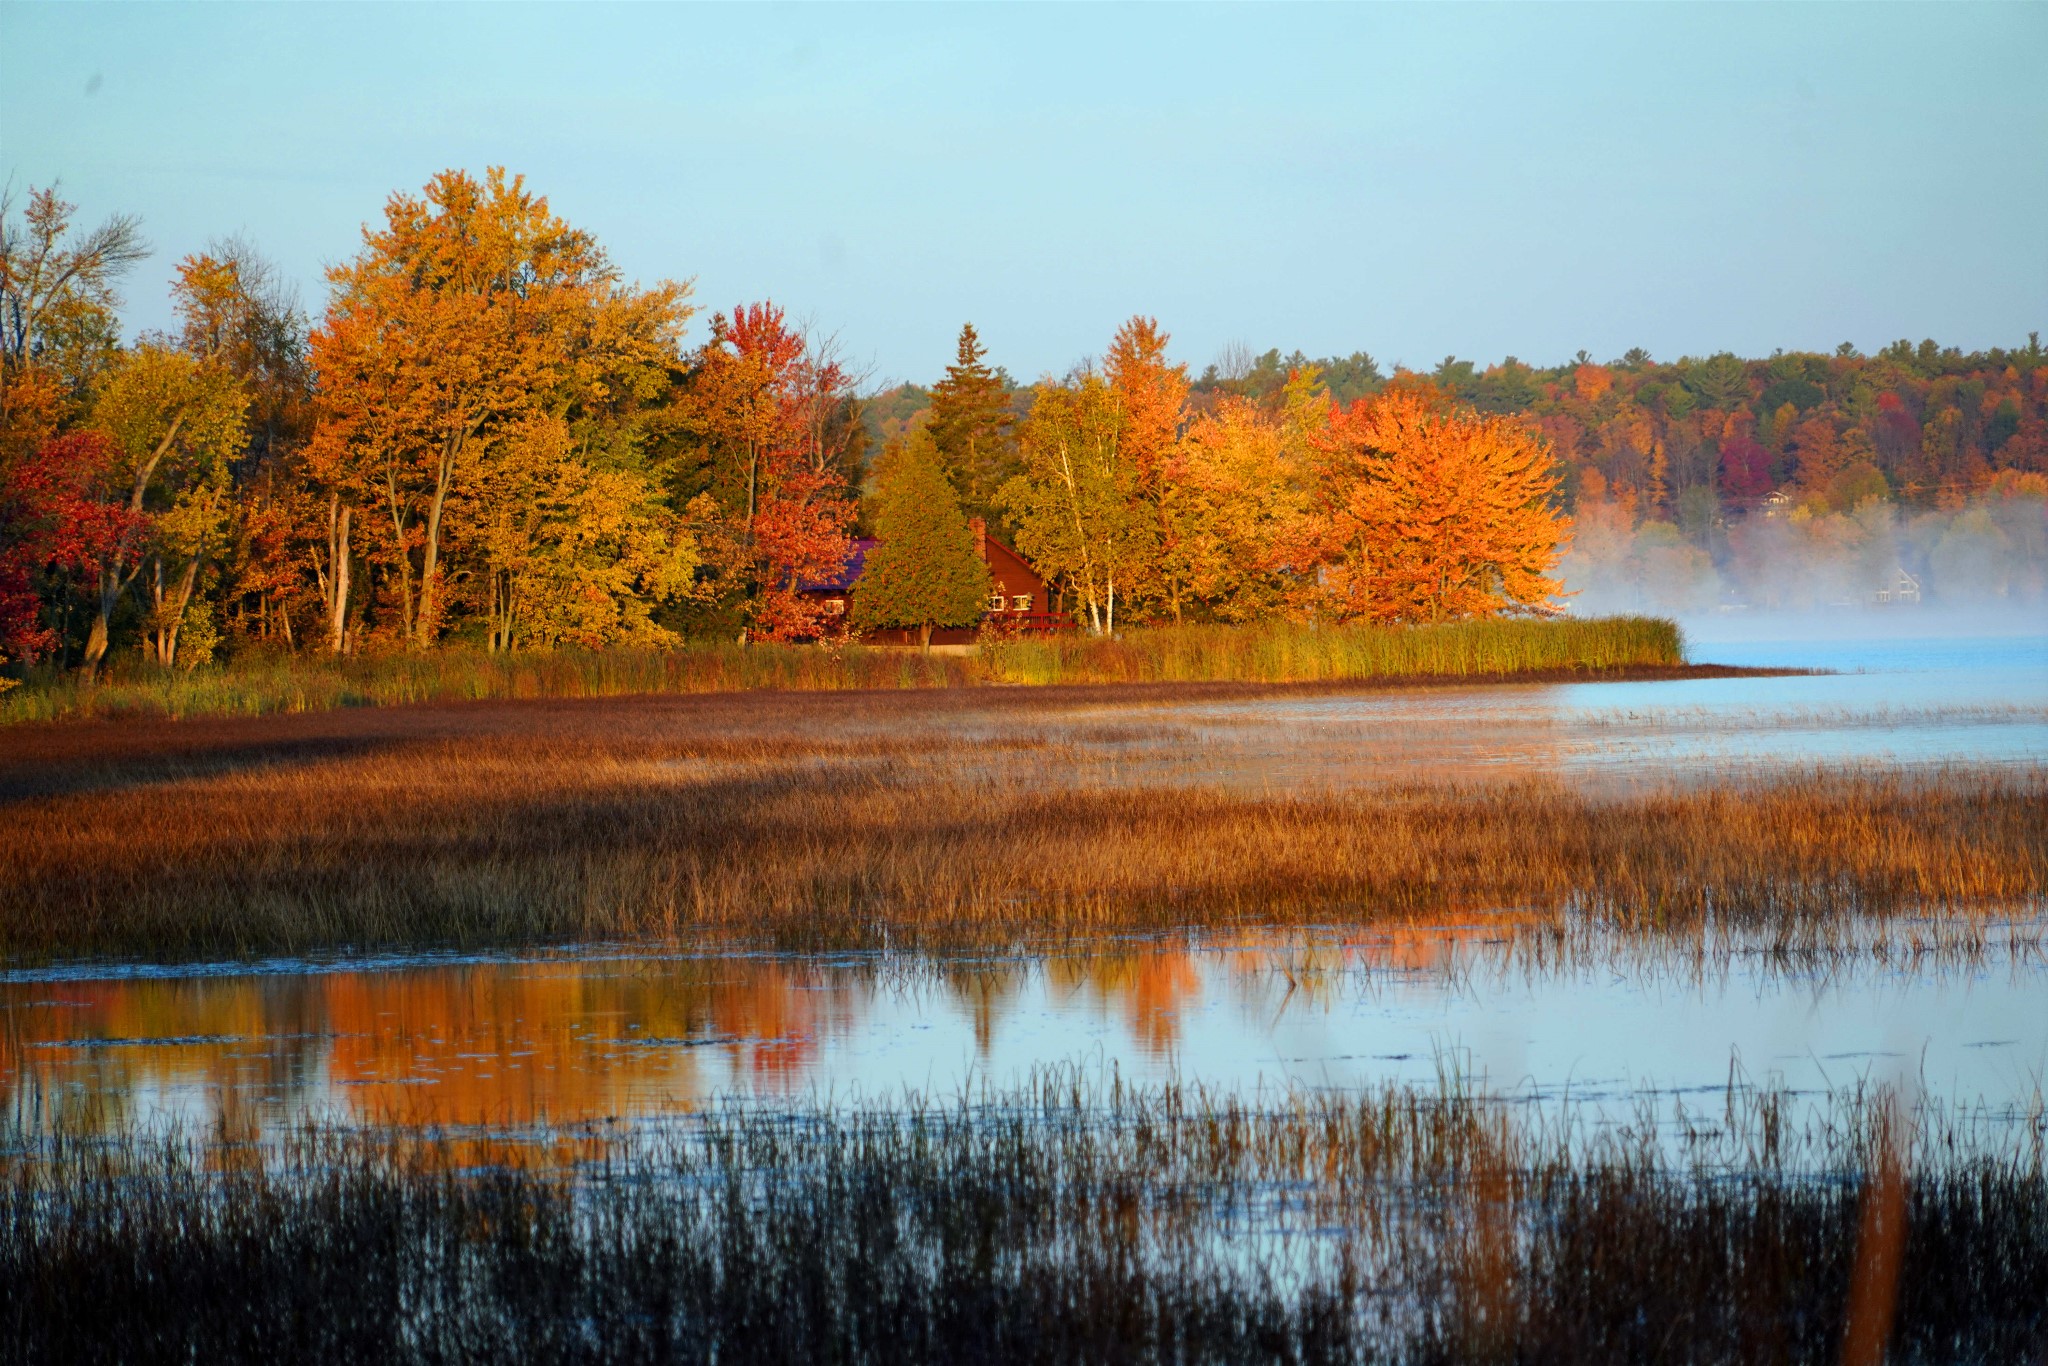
x,y
871,820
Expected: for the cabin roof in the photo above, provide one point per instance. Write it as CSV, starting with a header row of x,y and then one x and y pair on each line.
x,y
843,581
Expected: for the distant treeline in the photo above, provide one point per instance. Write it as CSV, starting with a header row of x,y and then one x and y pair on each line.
x,y
488,437
1673,437
1797,481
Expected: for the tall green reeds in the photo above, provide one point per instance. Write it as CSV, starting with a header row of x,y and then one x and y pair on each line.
x,y
258,685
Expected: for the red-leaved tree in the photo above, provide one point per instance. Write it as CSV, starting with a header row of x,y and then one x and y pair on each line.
x,y
63,508
775,511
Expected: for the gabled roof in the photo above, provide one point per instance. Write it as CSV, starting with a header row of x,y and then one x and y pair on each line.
x,y
843,581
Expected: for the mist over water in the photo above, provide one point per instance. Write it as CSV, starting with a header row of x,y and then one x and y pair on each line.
x,y
1987,559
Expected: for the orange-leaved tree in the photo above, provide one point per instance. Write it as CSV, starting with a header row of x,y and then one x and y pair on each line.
x,y
1422,511
1152,396
471,312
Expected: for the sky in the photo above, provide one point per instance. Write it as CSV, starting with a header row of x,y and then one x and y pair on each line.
x,y
1413,182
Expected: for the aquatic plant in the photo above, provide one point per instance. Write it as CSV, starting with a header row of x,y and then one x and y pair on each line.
x,y
1065,1221
967,817
1277,653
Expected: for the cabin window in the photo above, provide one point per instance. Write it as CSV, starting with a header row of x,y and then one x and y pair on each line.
x,y
995,601
835,607
1021,603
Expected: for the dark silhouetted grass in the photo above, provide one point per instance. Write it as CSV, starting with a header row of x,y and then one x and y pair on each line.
x,y
1261,654
1055,1224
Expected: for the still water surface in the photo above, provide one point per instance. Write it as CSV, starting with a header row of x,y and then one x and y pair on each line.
x,y
516,1040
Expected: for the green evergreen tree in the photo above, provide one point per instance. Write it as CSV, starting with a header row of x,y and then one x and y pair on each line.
x,y
925,572
970,424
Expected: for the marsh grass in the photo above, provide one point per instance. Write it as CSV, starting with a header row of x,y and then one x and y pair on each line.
x,y
1064,1221
1294,654
648,831
261,685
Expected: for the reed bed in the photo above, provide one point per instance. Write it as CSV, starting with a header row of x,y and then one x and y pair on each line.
x,y
260,685
825,824
1297,654
301,683
1061,1222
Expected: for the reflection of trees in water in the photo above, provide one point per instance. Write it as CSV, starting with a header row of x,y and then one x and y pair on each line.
x,y
1149,987
243,1043
508,1044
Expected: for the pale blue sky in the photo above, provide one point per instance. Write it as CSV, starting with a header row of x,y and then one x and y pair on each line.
x,y
1410,181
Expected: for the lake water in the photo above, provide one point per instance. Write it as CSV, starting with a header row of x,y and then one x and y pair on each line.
x,y
515,1040
1980,699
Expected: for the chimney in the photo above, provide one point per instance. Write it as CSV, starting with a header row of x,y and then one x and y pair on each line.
x,y
980,525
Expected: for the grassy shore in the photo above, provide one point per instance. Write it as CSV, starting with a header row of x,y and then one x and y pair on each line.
x,y
1058,1223
980,817
1262,654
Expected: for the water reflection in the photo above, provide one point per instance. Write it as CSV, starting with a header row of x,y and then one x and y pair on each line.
x,y
526,1041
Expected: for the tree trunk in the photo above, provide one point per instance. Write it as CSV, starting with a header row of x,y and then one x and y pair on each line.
x,y
430,567
96,639
169,623
402,564
337,556
924,637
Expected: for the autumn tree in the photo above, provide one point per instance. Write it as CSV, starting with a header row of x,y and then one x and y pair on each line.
x,y
176,422
770,515
65,508
470,311
1151,398
59,323
1234,500
926,572
1423,511
971,428
1076,504
572,553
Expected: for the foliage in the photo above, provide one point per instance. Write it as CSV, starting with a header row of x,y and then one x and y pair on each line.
x,y
971,428
472,313
1419,512
926,571
489,437
771,501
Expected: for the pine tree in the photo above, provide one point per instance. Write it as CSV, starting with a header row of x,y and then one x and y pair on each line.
x,y
970,427
926,571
